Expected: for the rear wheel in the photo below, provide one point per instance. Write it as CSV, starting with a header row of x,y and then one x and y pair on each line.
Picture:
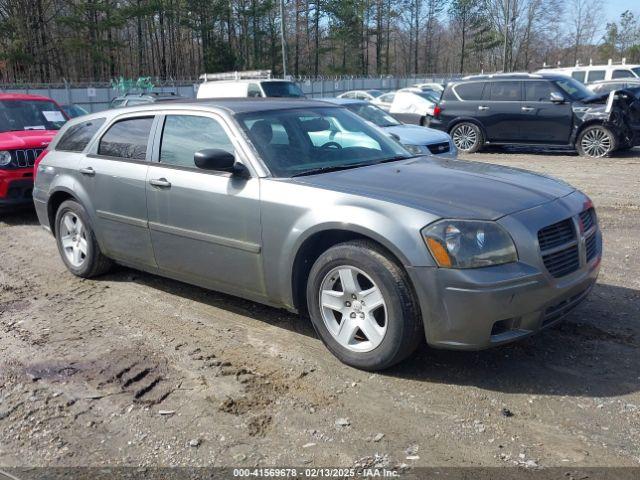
x,y
77,243
596,141
362,306
467,137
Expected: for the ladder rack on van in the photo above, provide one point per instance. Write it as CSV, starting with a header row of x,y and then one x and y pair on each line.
x,y
237,75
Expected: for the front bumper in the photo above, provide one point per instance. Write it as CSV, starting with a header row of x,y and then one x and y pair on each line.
x,y
474,309
16,187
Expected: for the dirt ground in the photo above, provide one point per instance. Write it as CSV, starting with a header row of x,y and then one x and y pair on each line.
x,y
133,369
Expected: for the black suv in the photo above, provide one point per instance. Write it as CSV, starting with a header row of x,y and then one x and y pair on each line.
x,y
534,109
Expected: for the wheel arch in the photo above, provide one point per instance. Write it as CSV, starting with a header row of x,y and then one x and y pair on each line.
x,y
459,120
318,242
56,199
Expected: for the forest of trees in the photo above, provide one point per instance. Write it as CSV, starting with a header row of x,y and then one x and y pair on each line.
x,y
45,41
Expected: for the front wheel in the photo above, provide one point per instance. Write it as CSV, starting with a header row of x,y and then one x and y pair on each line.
x,y
77,243
467,137
361,304
596,141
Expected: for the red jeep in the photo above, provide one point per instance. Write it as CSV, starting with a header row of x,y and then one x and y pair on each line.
x,y
27,124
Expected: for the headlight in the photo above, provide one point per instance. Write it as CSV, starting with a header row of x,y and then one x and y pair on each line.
x,y
469,244
5,158
417,149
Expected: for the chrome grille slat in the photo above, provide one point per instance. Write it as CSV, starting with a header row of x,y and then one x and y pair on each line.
x,y
559,248
25,157
587,219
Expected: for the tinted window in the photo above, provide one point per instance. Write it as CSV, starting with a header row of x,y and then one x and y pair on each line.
x,y
595,75
184,135
470,91
127,139
281,89
77,137
537,91
579,76
622,74
506,91
374,114
573,88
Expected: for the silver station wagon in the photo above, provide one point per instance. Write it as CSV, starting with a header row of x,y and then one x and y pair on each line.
x,y
382,249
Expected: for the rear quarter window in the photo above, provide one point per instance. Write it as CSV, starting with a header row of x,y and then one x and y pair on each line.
x,y
127,139
595,75
77,137
470,91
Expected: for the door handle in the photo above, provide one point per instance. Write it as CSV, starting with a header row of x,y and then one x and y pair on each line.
x,y
160,182
483,107
87,171
527,109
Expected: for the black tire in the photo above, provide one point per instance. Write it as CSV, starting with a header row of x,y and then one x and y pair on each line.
x,y
460,134
596,131
404,330
94,263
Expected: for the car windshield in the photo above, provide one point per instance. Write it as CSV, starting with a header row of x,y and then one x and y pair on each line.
x,y
282,89
374,93
574,89
18,115
375,115
312,140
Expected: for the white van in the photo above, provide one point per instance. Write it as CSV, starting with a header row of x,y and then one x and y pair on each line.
x,y
254,83
593,73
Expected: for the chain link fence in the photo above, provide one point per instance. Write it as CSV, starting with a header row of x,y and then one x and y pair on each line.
x,y
95,97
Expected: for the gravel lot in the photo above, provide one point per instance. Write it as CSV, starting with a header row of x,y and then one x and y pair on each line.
x,y
133,369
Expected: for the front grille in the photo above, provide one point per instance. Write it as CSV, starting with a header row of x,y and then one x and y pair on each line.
x,y
556,235
591,247
438,148
562,262
25,158
587,219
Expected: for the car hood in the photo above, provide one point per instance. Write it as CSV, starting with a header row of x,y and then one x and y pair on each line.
x,y
446,188
415,135
26,139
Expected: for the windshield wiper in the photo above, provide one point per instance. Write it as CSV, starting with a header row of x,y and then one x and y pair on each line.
x,y
333,168
396,159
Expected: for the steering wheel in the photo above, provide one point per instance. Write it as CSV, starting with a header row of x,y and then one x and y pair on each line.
x,y
330,145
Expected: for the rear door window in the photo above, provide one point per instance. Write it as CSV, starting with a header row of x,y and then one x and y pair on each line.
x,y
127,139
580,76
470,91
595,75
77,137
622,74
506,91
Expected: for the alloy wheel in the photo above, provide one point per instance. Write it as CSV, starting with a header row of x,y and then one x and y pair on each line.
x,y
353,309
465,137
73,237
596,142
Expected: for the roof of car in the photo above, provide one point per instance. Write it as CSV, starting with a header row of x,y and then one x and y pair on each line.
x,y
253,104
23,96
514,76
616,80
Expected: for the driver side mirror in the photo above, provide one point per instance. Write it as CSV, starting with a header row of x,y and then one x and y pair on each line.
x,y
556,97
219,160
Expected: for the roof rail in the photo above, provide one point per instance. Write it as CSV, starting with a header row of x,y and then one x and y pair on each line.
x,y
237,75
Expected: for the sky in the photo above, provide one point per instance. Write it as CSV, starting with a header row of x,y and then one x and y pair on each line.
x,y
613,8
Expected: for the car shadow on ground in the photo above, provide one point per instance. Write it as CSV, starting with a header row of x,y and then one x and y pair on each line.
x,y
19,216
548,150
594,352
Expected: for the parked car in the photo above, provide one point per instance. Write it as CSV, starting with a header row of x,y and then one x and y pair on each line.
x,y
418,140
381,248
606,86
73,111
594,73
538,109
361,94
132,99
384,101
28,123
429,86
413,105
254,83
